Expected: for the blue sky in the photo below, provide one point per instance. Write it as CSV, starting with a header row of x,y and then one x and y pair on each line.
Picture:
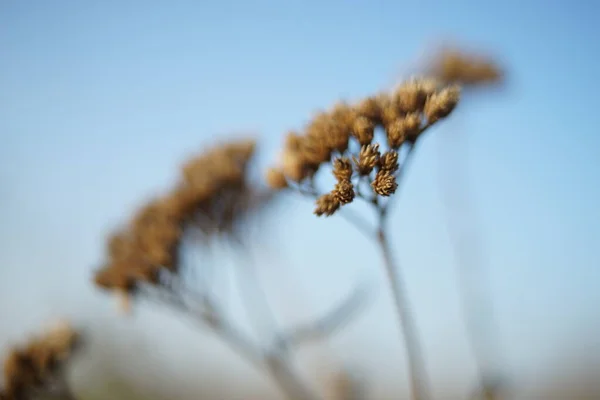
x,y
100,102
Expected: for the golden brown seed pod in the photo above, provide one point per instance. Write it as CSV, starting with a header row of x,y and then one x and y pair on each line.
x,y
389,161
368,157
364,130
327,204
276,179
411,96
441,104
467,69
344,191
369,108
384,183
293,166
342,169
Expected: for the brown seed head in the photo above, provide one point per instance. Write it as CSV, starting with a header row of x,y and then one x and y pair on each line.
x,y
363,130
389,162
467,69
384,183
327,204
410,97
367,158
442,103
344,191
276,179
342,169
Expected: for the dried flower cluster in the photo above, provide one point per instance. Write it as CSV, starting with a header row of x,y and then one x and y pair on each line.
x,y
213,196
33,366
466,69
403,114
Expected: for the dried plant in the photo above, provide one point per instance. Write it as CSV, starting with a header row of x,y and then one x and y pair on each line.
x,y
216,198
37,367
467,68
370,169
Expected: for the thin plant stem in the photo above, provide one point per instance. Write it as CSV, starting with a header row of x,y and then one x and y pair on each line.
x,y
277,367
419,389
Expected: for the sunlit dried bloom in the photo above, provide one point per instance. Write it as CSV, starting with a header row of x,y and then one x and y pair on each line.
x,y
214,197
364,130
36,364
467,69
384,183
410,97
293,166
342,169
403,129
440,104
344,191
368,157
389,162
276,179
370,108
327,204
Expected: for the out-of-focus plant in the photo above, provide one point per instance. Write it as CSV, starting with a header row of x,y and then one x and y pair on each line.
x,y
37,368
214,200
368,146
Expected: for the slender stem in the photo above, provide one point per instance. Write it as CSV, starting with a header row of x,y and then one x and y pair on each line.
x,y
275,365
419,389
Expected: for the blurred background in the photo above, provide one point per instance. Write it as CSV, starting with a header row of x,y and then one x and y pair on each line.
x,y
101,102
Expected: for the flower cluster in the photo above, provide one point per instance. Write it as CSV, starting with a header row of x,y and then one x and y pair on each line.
x,y
213,195
404,115
464,68
33,366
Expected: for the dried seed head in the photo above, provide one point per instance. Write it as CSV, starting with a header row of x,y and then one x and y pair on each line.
x,y
293,141
384,183
457,66
395,133
276,179
342,169
412,126
293,166
389,162
411,96
441,104
344,191
367,158
364,130
327,204
370,108
34,366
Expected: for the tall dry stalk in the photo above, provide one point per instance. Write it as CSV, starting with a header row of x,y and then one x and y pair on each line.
x,y
474,71
370,169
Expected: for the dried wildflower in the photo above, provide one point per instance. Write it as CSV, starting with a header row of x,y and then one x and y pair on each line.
x,y
389,162
344,191
403,129
368,157
37,364
342,169
384,183
370,108
364,130
276,179
214,197
441,104
467,69
410,97
327,204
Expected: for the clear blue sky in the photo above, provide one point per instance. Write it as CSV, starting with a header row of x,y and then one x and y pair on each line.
x,y
100,102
